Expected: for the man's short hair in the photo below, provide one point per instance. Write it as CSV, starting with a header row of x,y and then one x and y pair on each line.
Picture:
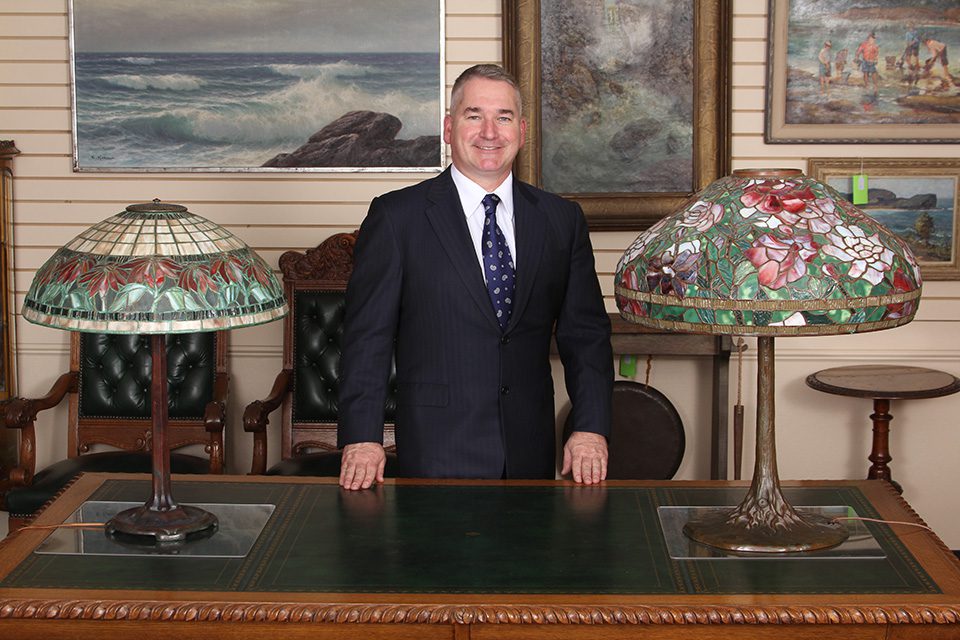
x,y
488,71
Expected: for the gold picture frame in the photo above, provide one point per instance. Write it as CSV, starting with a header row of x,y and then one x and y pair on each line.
x,y
901,97
902,192
710,149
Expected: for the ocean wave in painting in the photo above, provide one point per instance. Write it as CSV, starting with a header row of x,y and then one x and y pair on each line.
x,y
238,110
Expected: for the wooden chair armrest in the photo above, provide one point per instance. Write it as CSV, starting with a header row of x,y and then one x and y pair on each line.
x,y
214,414
255,418
21,413
215,419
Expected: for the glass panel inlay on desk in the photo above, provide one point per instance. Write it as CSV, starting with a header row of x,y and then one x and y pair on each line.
x,y
480,539
859,544
240,525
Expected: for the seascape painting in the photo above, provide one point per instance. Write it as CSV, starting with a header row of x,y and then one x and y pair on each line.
x,y
921,210
617,92
184,85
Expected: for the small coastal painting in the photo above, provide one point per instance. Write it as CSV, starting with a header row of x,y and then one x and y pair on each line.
x,y
916,199
245,85
863,71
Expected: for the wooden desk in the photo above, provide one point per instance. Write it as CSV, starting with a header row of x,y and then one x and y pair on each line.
x,y
478,560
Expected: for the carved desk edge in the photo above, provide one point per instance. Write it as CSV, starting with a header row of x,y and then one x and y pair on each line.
x,y
467,614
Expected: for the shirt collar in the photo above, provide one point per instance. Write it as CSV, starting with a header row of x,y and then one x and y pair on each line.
x,y
471,194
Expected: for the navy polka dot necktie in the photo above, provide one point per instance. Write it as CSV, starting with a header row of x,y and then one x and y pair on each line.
x,y
498,268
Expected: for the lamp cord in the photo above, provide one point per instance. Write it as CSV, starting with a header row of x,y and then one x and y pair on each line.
x,y
909,524
65,525
646,379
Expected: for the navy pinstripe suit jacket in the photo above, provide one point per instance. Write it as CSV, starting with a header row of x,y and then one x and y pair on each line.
x,y
473,402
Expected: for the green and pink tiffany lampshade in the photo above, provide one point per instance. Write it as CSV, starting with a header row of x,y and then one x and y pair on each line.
x,y
768,253
156,269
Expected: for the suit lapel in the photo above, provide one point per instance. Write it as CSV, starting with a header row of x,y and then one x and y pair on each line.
x,y
446,216
530,225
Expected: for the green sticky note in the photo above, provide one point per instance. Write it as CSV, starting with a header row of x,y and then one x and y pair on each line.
x,y
860,195
628,366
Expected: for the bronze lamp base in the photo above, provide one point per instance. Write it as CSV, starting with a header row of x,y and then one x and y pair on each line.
x,y
168,525
161,518
732,531
765,522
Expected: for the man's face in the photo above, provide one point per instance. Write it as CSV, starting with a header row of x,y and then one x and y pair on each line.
x,y
485,131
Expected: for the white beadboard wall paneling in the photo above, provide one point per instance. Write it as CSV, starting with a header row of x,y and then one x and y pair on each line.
x,y
16,120
749,8
485,8
34,73
33,48
32,7
38,25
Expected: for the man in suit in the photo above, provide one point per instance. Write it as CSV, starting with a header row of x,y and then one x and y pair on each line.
x,y
435,283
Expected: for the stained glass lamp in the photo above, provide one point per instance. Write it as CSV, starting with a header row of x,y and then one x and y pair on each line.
x,y
156,269
768,253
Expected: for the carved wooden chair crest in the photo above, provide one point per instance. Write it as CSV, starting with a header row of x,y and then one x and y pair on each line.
x,y
305,390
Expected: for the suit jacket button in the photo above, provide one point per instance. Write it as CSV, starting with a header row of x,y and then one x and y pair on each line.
x,y
505,390
504,339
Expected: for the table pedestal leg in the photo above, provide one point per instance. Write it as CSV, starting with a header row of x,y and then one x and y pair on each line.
x,y
880,455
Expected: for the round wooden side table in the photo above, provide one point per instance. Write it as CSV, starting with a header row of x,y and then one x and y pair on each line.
x,y
883,383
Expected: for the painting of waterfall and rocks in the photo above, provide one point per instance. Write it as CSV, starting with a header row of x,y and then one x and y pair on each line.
x,y
248,85
626,100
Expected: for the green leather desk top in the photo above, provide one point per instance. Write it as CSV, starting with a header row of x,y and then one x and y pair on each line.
x,y
494,538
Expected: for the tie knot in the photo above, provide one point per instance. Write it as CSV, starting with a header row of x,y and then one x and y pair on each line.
x,y
490,202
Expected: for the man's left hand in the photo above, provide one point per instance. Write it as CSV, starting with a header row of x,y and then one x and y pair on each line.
x,y
585,454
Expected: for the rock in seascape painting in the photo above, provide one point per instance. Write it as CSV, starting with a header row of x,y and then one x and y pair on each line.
x,y
182,85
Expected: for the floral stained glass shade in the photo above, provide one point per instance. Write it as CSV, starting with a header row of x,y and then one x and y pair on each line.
x,y
768,253
154,268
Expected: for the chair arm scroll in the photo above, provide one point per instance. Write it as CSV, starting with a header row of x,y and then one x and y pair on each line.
x,y
255,419
21,413
214,418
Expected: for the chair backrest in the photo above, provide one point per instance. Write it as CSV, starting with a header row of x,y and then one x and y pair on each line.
x,y
315,283
647,440
111,404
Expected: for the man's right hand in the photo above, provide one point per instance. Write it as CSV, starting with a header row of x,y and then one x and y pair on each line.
x,y
361,465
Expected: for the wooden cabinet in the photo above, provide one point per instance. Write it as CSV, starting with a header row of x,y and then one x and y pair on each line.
x,y
8,437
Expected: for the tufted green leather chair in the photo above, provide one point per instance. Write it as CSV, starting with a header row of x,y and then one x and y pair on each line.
x,y
306,389
108,389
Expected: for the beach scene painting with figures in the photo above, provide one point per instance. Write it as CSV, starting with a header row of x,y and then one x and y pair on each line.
x,y
247,85
865,70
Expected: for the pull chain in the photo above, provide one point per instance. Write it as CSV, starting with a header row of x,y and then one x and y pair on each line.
x,y
738,413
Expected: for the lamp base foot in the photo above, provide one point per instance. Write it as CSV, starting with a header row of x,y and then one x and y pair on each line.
x,y
167,525
732,532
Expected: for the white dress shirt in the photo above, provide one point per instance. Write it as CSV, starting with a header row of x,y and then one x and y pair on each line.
x,y
471,198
